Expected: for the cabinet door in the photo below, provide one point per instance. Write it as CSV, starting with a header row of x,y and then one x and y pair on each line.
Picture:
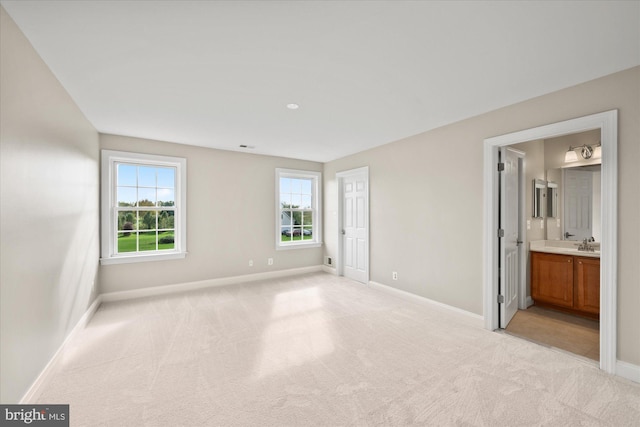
x,y
552,279
588,284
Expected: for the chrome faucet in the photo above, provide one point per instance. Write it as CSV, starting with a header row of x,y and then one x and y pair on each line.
x,y
586,246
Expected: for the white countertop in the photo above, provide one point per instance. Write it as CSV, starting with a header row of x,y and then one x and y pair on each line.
x,y
562,247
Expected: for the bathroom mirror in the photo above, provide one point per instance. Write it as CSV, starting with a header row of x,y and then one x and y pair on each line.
x,y
552,199
539,197
573,211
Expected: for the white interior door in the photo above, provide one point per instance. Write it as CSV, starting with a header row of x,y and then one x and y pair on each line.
x,y
510,243
355,224
578,201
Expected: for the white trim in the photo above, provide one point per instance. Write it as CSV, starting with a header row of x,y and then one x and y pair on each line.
x,y
628,370
607,122
316,205
476,318
339,177
203,284
33,392
329,270
107,195
529,302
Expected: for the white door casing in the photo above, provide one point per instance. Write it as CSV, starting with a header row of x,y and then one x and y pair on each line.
x,y
578,204
607,122
510,242
354,224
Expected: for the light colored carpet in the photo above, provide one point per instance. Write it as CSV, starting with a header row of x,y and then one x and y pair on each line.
x,y
320,350
564,331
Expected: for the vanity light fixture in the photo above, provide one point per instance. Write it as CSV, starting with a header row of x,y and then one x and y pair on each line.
x,y
597,151
586,151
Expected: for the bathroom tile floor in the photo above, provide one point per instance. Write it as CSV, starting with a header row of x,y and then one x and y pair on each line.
x,y
560,330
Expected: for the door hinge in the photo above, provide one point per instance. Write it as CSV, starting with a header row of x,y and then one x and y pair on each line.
x,y
500,167
500,232
500,299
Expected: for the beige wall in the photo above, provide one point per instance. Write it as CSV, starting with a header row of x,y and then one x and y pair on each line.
x,y
426,199
230,218
49,213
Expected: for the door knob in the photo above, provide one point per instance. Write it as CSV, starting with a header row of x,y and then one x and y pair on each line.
x,y
567,235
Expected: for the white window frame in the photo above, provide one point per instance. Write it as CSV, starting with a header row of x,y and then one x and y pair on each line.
x,y
109,217
316,206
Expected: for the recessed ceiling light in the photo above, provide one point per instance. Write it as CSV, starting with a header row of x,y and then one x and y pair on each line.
x,y
293,106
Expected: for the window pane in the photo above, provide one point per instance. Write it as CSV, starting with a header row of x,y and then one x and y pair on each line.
x,y
146,196
285,200
306,186
126,175
307,218
166,219
307,233
127,242
296,233
296,186
127,221
166,177
126,196
147,241
306,202
296,200
147,220
166,197
285,185
146,176
286,234
166,240
286,219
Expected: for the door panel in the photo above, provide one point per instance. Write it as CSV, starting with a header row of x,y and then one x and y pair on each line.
x,y
509,247
355,238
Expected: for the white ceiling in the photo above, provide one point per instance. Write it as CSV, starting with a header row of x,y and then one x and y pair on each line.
x,y
219,74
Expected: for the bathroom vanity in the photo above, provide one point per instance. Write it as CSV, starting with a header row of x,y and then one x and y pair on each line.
x,y
564,278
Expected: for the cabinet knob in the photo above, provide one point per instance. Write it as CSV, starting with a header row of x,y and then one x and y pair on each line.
x,y
569,260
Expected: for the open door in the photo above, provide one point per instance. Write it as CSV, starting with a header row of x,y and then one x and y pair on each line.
x,y
509,235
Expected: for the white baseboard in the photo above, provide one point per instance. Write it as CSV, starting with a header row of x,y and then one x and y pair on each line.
x,y
476,318
202,284
330,270
628,370
529,302
34,391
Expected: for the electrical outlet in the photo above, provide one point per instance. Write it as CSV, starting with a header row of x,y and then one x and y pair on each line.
x,y
250,263
270,261
329,261
558,222
394,275
542,223
528,224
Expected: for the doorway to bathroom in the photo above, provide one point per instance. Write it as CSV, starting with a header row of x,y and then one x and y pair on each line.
x,y
606,125
562,208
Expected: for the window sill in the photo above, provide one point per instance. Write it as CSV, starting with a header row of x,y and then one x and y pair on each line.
x,y
298,246
142,258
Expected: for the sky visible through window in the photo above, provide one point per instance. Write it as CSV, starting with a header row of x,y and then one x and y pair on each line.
x,y
145,183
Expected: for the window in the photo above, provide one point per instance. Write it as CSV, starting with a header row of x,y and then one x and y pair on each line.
x,y
143,207
298,210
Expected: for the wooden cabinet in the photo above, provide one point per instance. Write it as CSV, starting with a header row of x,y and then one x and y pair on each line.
x,y
587,284
566,282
